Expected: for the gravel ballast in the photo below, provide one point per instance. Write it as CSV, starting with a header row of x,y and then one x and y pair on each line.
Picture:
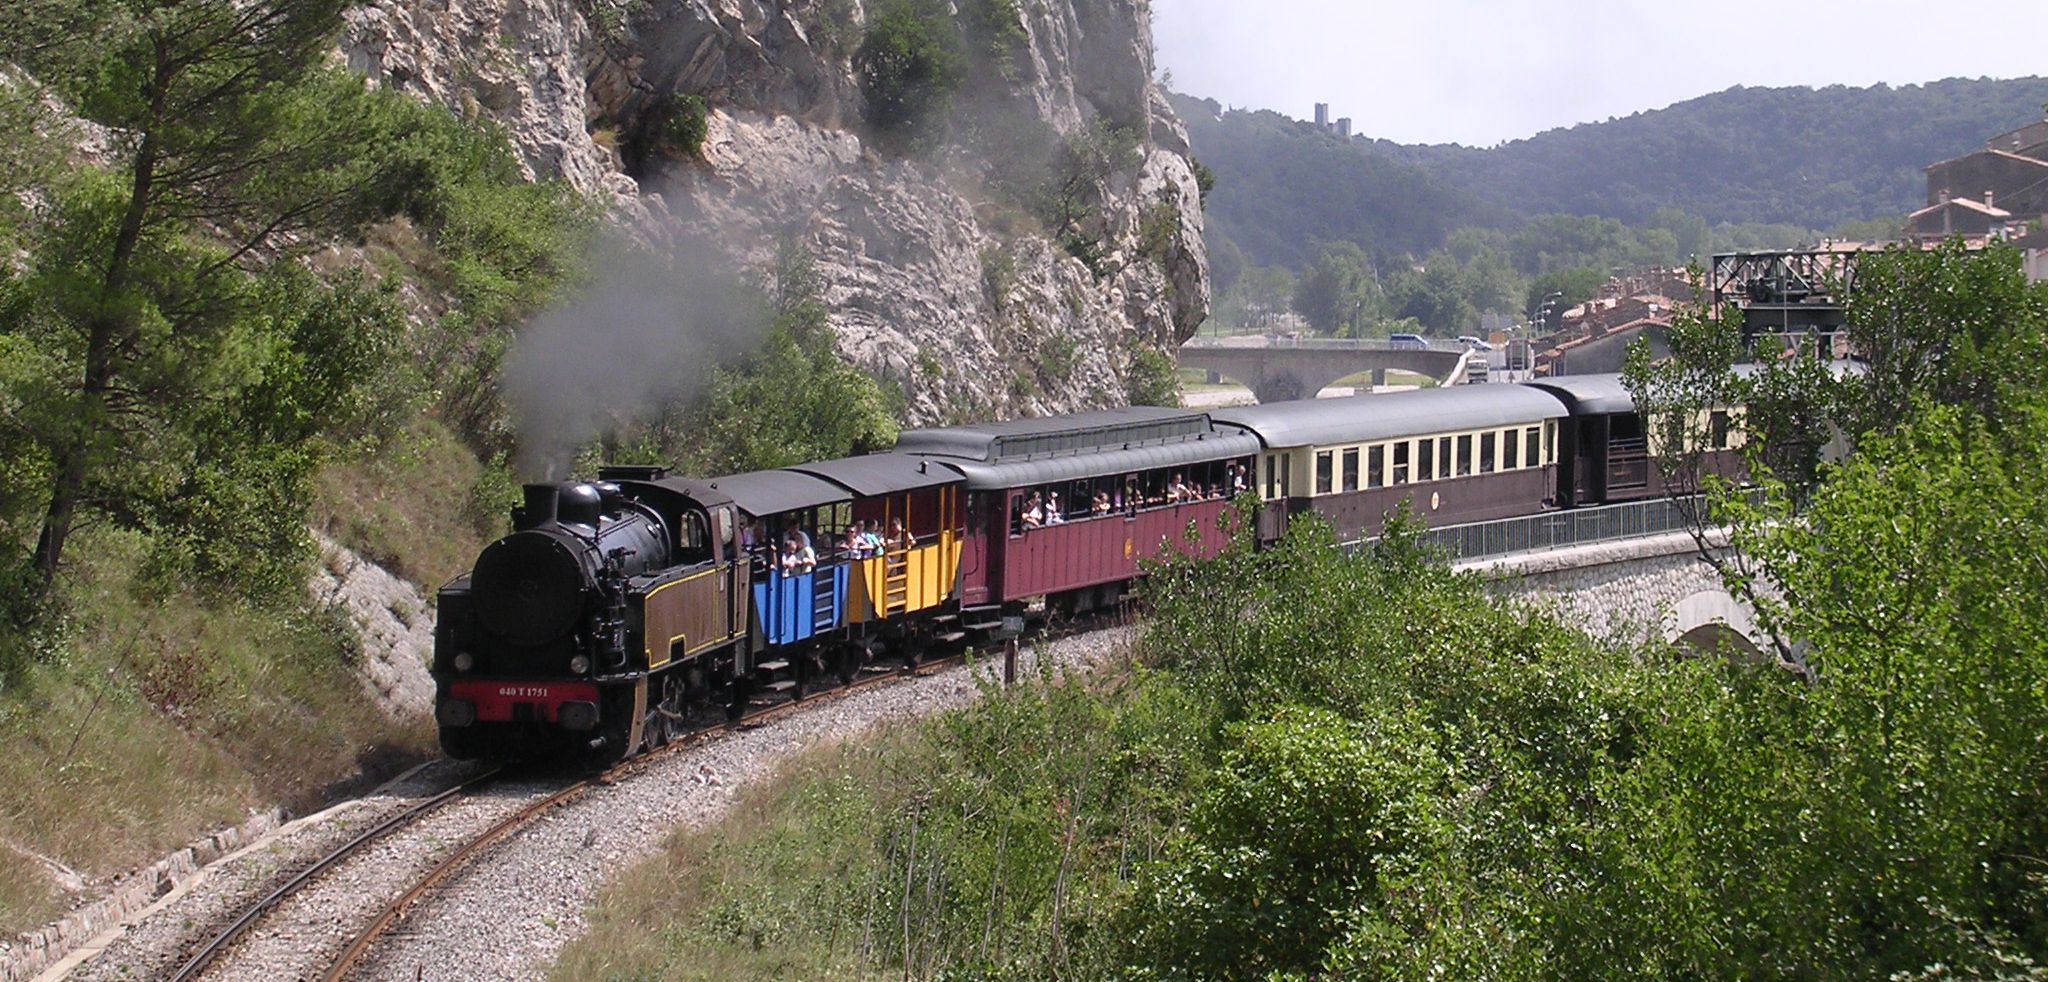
x,y
510,913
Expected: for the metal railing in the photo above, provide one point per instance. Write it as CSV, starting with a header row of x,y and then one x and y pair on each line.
x,y
1561,529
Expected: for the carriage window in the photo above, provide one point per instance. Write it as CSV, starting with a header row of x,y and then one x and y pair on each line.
x,y
1486,442
1401,462
1376,466
1465,455
1717,426
1272,478
1512,457
1550,441
1351,469
1530,438
1287,475
1323,472
1443,458
1425,460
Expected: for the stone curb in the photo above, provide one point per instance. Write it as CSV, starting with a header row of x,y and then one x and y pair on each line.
x,y
28,954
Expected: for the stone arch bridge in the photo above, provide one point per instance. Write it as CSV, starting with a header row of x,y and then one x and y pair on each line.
x,y
1279,369
1655,588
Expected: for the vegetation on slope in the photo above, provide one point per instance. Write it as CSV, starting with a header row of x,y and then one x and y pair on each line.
x,y
1333,764
202,328
1813,157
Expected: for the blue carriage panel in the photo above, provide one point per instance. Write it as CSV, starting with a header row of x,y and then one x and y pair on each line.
x,y
828,604
796,608
782,604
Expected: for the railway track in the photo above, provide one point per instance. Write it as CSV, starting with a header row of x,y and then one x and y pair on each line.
x,y
200,961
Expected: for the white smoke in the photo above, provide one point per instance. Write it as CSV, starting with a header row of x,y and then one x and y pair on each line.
x,y
646,333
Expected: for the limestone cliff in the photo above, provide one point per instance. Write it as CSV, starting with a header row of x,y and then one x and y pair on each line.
x,y
933,280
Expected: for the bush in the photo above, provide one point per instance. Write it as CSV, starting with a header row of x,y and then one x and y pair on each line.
x,y
673,130
1152,379
909,64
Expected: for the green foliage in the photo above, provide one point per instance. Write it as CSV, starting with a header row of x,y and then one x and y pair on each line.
x,y
152,292
1738,155
994,33
1158,228
793,399
998,275
1339,292
673,130
1152,379
1311,816
909,63
1205,180
1346,764
682,129
1282,189
1568,287
1950,325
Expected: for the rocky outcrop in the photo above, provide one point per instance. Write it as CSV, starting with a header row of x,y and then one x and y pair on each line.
x,y
934,281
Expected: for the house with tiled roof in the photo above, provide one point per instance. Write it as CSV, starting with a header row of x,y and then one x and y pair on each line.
x,y
2009,174
1967,217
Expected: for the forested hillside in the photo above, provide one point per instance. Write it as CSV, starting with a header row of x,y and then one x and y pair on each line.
x,y
1814,158
1282,187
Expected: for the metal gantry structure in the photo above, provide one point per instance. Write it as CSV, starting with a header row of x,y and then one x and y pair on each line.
x,y
1798,296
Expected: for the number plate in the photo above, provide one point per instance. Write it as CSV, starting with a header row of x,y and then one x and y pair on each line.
x,y
524,691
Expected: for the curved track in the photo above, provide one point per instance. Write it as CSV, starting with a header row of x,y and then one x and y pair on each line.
x,y
197,965
233,932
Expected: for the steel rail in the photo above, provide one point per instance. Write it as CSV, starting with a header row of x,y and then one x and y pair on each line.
x,y
358,949
212,949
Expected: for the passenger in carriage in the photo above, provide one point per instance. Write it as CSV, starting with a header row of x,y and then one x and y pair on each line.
x,y
1053,513
1178,491
1034,512
899,537
1101,503
797,555
856,544
1239,484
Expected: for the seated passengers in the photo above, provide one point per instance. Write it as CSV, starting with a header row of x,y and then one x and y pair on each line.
x,y
1101,506
1053,513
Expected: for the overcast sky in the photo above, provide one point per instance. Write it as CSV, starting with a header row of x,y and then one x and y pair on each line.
x,y
1482,71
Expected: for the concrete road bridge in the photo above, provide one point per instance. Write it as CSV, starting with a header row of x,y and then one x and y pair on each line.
x,y
1279,369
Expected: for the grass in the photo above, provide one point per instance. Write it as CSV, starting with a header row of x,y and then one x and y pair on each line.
x,y
169,714
419,506
27,897
920,851
686,914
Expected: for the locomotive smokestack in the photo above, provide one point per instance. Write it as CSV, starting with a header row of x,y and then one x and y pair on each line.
x,y
540,506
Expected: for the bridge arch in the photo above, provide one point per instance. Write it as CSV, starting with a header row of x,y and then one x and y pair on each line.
x,y
1711,622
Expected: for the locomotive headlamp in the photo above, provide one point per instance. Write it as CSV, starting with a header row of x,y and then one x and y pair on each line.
x,y
579,665
464,661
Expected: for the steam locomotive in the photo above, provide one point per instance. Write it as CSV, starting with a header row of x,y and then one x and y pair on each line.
x,y
620,609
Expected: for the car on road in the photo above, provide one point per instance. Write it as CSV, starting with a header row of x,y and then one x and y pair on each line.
x,y
1476,344
1407,341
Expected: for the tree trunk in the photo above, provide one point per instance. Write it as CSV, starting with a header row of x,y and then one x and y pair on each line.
x,y
71,457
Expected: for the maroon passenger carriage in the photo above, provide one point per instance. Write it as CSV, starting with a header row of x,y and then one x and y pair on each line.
x,y
1466,453
1084,559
